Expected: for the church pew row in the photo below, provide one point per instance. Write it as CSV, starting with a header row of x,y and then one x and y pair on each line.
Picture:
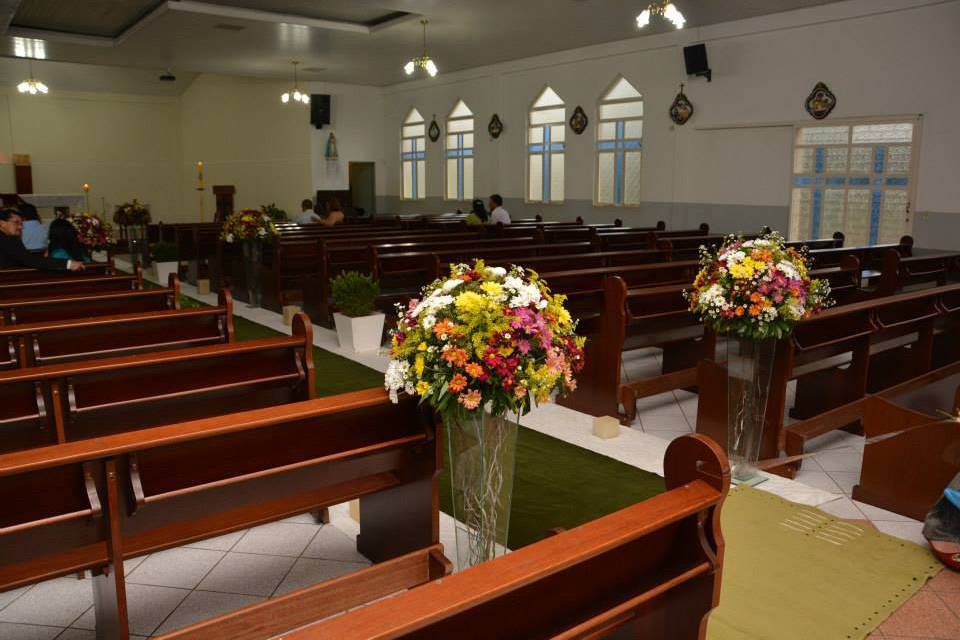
x,y
25,274
89,505
838,357
45,287
870,256
71,401
680,372
649,571
906,471
33,345
69,306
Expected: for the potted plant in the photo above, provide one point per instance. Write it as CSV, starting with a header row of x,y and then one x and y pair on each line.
x,y
482,346
359,325
165,260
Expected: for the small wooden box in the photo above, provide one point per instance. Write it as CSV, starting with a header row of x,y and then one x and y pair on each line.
x,y
203,286
606,427
289,311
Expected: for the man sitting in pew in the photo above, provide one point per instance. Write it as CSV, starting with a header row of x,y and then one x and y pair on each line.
x,y
14,254
497,212
307,214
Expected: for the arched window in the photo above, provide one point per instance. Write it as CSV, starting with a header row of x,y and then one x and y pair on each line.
x,y
460,153
413,157
619,145
546,134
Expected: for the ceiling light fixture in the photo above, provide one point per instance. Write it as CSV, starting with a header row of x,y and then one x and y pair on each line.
x,y
424,62
661,9
31,85
295,94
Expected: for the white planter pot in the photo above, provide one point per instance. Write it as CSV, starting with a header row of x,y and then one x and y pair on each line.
x,y
99,256
360,334
162,271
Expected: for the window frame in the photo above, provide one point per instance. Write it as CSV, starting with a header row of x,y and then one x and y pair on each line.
x,y
462,154
876,206
545,154
618,122
417,156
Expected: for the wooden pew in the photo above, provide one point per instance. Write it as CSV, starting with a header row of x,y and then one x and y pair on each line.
x,y
94,503
72,401
870,256
68,284
71,306
889,340
33,345
197,246
649,571
24,274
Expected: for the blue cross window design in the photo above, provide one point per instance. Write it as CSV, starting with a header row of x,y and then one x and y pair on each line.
x,y
546,148
459,153
619,145
413,157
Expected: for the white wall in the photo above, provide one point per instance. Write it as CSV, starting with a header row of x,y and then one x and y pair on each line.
x,y
880,57
124,146
357,124
247,138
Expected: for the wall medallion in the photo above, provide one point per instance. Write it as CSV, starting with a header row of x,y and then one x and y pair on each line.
x,y
820,102
495,128
681,109
579,121
434,130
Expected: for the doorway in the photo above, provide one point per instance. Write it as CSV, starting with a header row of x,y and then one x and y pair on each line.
x,y
363,187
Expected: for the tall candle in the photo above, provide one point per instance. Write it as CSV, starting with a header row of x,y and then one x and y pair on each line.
x,y
86,187
200,175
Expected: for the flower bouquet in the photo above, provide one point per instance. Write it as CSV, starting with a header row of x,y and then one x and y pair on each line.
x,y
251,228
92,232
753,292
485,343
248,224
131,214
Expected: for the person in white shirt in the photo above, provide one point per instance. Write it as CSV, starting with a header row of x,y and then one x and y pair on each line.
x,y
307,215
497,212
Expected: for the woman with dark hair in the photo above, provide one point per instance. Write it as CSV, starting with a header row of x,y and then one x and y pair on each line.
x,y
478,214
14,254
333,214
64,243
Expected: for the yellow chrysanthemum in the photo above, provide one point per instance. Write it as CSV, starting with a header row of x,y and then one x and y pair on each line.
x,y
492,288
418,366
422,387
470,304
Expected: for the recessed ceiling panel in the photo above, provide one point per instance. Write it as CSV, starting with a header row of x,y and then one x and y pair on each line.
x,y
85,17
358,11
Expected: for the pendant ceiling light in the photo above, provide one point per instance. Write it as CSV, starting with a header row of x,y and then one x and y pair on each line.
x,y
424,62
31,85
662,9
295,93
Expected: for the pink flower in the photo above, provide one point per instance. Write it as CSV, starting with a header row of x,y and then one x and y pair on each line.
x,y
523,346
470,400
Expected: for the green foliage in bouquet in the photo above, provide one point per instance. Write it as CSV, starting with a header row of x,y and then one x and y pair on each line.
x,y
276,213
354,294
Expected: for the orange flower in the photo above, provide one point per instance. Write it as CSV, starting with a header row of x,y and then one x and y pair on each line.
x,y
739,311
755,310
755,297
474,370
456,356
457,383
443,329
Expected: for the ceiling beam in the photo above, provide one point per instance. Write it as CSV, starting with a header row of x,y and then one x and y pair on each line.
x,y
256,15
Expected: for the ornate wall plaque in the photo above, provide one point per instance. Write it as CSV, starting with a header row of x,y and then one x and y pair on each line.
x,y
434,130
820,102
495,128
681,109
579,121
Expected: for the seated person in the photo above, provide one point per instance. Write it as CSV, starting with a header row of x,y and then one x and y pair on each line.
x,y
333,215
34,232
477,215
306,215
497,212
64,243
14,254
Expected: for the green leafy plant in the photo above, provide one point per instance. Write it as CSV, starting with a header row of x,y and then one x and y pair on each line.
x,y
354,294
275,212
164,252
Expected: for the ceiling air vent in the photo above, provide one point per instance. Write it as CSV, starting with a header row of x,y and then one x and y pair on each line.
x,y
229,27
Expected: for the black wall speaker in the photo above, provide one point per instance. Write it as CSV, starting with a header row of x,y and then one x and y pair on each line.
x,y
319,109
695,57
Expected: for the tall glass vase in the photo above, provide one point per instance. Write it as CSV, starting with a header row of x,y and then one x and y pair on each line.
x,y
481,450
137,242
252,259
749,369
